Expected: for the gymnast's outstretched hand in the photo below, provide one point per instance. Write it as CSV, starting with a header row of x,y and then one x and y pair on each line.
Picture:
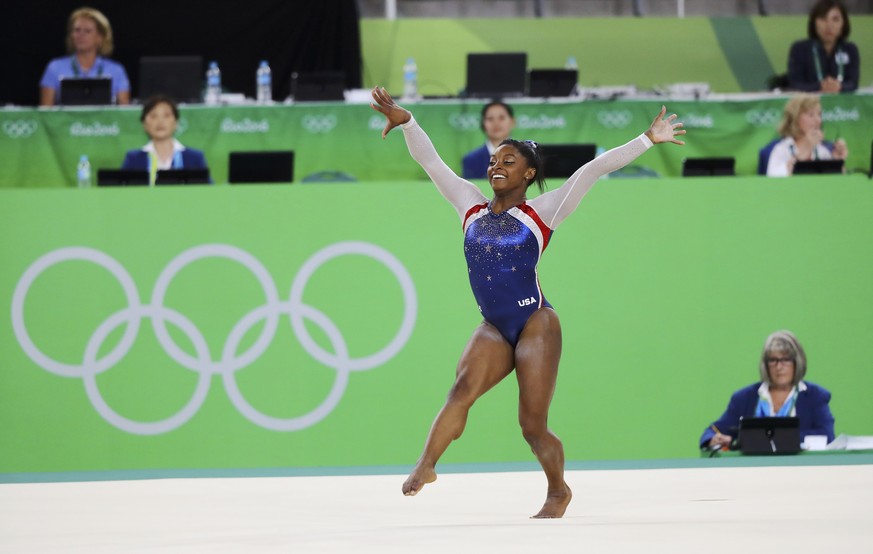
x,y
664,130
383,103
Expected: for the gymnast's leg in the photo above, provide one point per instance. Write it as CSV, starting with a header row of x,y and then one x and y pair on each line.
x,y
486,360
536,356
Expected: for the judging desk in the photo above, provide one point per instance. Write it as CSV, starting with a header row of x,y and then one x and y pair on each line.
x,y
283,326
341,141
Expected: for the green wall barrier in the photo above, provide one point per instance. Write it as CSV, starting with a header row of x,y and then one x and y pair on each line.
x,y
41,148
645,52
666,290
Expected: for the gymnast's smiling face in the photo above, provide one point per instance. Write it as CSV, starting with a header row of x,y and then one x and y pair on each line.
x,y
509,170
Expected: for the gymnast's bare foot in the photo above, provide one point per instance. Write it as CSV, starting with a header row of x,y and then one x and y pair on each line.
x,y
416,481
556,503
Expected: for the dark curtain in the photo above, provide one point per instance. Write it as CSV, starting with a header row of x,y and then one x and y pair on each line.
x,y
295,35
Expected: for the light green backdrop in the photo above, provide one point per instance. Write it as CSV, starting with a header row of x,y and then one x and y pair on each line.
x,y
666,290
645,52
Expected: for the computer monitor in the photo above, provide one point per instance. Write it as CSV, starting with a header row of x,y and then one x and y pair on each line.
x,y
708,167
543,83
769,435
122,177
496,75
77,91
276,166
318,86
179,77
562,160
182,177
813,167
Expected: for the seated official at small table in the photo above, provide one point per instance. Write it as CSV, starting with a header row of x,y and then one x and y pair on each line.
x,y
826,61
89,42
782,392
159,117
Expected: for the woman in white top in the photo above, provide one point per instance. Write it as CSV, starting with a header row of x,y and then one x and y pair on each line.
x,y
803,139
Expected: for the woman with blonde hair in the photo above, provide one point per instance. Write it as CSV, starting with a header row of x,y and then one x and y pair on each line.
x,y
781,392
89,43
802,137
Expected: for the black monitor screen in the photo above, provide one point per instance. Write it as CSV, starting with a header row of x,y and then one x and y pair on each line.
x,y
813,167
496,75
318,86
122,177
182,177
179,77
544,83
562,160
261,167
707,167
86,92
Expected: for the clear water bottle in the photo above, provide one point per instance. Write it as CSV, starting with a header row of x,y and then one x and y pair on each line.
x,y
264,83
571,63
83,173
213,84
410,80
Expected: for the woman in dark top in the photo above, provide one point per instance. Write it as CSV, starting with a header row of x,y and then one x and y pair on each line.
x,y
826,61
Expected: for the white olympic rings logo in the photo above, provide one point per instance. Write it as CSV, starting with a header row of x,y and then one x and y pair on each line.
x,y
464,121
615,119
229,361
319,123
20,128
763,118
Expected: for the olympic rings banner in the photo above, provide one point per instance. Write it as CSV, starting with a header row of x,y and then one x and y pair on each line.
x,y
738,128
320,325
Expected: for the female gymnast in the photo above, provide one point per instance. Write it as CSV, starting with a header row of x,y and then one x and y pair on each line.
x,y
503,241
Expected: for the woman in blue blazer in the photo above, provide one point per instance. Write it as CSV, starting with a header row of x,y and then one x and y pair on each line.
x,y
497,122
159,117
782,392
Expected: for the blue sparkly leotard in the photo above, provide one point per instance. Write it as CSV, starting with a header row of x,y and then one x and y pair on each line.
x,y
503,250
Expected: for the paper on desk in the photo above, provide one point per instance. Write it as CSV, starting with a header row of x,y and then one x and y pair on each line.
x,y
849,442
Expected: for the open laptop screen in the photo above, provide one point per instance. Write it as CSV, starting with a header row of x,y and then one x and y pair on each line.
x,y
562,160
496,75
261,167
179,77
85,92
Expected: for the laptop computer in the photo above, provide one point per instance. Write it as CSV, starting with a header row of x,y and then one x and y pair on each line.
x,y
275,166
76,91
122,177
496,75
179,77
562,160
708,167
813,167
318,86
543,83
769,435
182,177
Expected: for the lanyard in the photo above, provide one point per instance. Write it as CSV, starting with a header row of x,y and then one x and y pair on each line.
x,y
77,71
793,149
838,58
153,164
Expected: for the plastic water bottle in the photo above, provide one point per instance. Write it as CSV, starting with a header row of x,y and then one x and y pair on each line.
x,y
410,80
83,173
213,84
264,83
571,64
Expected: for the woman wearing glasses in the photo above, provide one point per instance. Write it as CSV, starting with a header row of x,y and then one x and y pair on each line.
x,y
504,238
782,392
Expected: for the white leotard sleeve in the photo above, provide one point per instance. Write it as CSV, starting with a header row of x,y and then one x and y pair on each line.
x,y
554,206
462,194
